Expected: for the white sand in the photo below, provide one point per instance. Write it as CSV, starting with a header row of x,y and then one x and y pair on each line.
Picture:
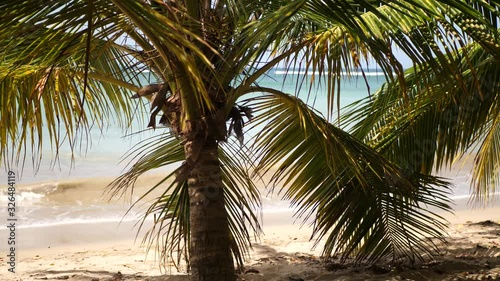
x,y
107,252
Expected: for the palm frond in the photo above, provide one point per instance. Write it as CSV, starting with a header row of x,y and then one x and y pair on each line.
x,y
362,204
486,170
39,98
243,200
169,235
338,42
86,56
441,119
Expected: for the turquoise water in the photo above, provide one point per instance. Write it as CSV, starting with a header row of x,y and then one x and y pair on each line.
x,y
70,190
102,153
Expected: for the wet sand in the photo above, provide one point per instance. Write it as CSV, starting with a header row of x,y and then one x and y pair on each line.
x,y
107,251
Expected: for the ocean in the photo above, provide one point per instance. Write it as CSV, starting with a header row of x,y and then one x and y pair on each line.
x,y
70,190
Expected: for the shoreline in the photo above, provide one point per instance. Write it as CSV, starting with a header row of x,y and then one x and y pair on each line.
x,y
90,250
80,232
98,251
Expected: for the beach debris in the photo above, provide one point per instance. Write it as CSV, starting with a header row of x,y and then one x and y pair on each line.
x,y
486,223
334,266
378,269
294,278
477,276
251,270
265,260
478,246
117,277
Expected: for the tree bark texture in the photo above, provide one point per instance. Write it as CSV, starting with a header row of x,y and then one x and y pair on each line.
x,y
210,254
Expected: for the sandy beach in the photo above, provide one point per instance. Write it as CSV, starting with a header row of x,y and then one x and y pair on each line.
x,y
107,251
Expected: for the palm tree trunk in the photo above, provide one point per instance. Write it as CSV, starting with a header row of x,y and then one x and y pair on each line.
x,y
210,255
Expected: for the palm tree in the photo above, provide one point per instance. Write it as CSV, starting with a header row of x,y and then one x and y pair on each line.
x,y
69,65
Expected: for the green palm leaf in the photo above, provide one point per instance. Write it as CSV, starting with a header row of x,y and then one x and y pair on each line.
x,y
43,96
362,204
433,127
336,44
169,234
206,59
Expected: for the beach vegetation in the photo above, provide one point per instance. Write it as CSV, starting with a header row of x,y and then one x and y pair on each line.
x,y
68,66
